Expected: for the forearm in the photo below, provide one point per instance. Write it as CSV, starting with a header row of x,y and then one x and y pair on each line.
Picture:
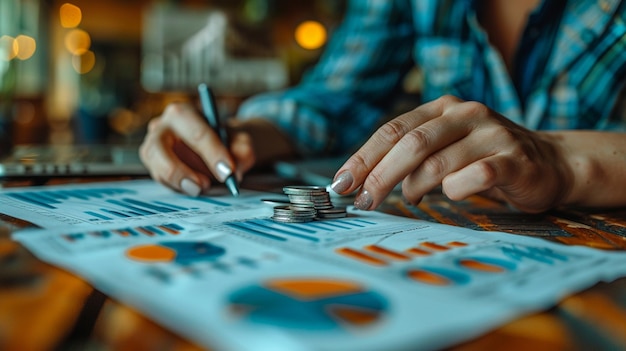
x,y
597,164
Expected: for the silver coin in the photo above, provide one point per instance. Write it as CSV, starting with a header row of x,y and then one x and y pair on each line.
x,y
306,203
336,212
292,220
304,190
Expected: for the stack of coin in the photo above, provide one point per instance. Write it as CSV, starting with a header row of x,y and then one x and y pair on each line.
x,y
290,214
306,204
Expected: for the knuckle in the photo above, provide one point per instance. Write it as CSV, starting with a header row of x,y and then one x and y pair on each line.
x,y
377,181
509,138
448,100
474,109
358,162
168,173
417,139
154,123
200,134
174,109
409,195
435,165
392,131
487,173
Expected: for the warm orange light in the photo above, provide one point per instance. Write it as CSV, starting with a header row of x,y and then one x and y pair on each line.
x,y
311,35
84,63
77,41
70,15
8,47
26,47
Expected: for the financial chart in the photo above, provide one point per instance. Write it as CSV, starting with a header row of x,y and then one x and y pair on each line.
x,y
220,271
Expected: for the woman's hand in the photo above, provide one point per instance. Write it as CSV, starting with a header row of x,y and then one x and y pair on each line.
x,y
181,151
465,147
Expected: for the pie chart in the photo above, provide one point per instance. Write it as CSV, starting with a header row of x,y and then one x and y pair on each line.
x,y
309,304
180,252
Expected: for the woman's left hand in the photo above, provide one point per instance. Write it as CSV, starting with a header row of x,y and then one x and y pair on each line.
x,y
463,146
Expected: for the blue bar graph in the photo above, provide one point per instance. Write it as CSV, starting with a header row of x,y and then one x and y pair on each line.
x,y
48,199
129,207
107,204
268,226
309,231
210,200
115,213
243,226
98,215
171,206
144,204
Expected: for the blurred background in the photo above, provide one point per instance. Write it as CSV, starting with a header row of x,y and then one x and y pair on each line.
x,y
86,71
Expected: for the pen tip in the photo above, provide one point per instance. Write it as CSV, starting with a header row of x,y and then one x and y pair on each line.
x,y
231,184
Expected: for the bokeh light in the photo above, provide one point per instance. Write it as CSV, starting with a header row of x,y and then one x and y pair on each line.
x,y
311,35
70,15
84,62
26,47
8,48
77,41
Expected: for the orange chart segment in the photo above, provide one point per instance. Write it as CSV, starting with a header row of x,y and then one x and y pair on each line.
x,y
435,246
314,288
181,252
387,253
428,277
151,253
354,316
419,252
480,266
361,256
487,264
438,276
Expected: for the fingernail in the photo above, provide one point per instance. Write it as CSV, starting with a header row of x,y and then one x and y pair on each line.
x,y
190,188
342,183
363,201
223,170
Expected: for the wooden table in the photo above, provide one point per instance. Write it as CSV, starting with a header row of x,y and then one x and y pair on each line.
x,y
45,308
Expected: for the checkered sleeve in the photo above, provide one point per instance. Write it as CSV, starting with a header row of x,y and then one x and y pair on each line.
x,y
340,100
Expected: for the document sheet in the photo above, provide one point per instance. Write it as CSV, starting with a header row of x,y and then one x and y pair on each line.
x,y
219,271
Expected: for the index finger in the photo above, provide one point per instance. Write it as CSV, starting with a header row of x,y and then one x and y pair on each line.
x,y
356,169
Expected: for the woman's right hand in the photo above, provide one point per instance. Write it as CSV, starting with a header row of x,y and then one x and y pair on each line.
x,y
182,151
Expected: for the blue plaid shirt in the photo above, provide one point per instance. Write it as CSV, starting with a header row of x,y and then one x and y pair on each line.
x,y
578,84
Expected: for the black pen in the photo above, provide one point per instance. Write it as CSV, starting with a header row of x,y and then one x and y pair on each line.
x,y
210,113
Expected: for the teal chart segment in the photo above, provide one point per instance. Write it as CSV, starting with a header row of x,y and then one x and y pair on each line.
x,y
309,304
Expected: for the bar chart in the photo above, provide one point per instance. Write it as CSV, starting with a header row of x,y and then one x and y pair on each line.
x,y
115,203
165,229
322,231
51,199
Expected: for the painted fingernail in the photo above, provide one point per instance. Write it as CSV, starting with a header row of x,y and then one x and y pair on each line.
x,y
223,170
189,187
342,183
363,201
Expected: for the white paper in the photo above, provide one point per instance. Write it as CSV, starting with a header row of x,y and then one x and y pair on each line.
x,y
222,273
